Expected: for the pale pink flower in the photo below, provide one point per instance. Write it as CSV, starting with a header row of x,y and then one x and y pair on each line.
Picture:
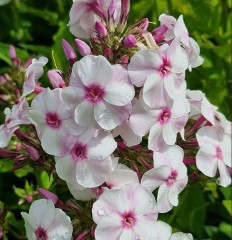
x,y
169,174
161,73
101,92
181,236
128,213
164,231
162,124
127,134
117,178
84,14
54,120
33,73
46,222
214,153
171,29
14,118
201,106
88,162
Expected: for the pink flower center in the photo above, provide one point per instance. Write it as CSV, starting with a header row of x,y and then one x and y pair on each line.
x,y
164,116
94,93
172,178
219,153
41,234
128,220
53,120
79,152
165,67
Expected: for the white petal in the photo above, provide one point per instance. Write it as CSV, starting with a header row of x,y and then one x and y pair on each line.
x,y
169,134
109,227
94,69
225,178
101,146
153,91
109,116
66,169
119,94
163,203
177,56
164,230
42,212
84,114
142,64
206,160
61,226
155,177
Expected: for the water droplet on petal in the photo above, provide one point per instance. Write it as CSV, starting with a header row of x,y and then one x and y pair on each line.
x,y
101,212
85,177
93,62
151,200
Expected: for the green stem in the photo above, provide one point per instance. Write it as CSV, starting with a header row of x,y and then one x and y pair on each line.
x,y
14,15
170,8
177,209
60,7
224,15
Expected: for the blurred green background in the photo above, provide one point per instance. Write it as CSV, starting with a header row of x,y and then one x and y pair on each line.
x,y
36,28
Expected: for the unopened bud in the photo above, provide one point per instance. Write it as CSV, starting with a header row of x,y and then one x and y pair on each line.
x,y
69,52
48,195
100,29
29,199
83,235
125,60
82,47
107,52
129,41
158,33
33,153
112,9
55,79
2,80
12,52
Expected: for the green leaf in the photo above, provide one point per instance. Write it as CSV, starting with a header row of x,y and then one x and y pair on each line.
x,y
59,59
6,165
46,180
19,192
22,172
226,228
51,17
228,205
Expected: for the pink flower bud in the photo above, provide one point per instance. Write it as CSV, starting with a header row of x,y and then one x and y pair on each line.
x,y
125,59
4,153
82,236
125,8
38,89
48,195
98,9
100,29
112,9
33,153
55,78
130,41
29,199
82,47
12,52
69,52
107,52
158,33
28,63
2,80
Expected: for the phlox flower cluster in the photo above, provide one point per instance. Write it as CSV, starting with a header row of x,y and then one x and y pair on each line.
x,y
119,127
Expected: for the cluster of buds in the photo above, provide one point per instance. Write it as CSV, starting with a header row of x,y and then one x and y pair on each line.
x,y
11,83
117,126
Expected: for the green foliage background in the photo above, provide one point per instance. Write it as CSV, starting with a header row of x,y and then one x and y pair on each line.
x,y
37,27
